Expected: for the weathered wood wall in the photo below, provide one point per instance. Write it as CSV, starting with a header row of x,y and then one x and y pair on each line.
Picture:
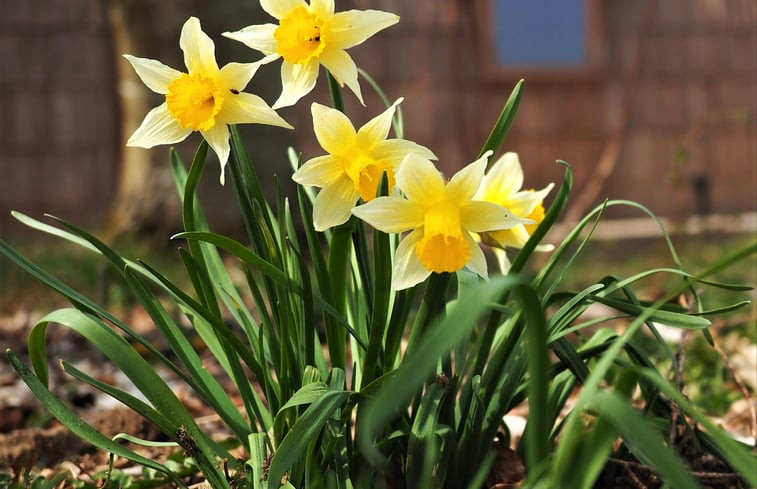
x,y
59,132
672,86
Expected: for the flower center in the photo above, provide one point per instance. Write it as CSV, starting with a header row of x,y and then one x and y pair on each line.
x,y
443,247
365,173
194,100
301,36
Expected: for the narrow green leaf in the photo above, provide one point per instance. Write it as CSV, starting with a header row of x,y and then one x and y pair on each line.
x,y
214,266
249,257
303,432
77,425
505,120
52,230
553,213
200,379
135,404
337,100
144,443
142,374
643,441
258,454
669,318
339,256
538,427
307,394
420,364
736,454
422,449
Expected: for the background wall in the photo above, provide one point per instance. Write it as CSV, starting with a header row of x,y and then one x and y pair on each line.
x,y
59,132
662,111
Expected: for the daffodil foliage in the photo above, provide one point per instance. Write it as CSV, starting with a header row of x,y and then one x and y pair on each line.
x,y
364,336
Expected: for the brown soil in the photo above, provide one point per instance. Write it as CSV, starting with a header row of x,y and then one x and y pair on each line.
x,y
43,450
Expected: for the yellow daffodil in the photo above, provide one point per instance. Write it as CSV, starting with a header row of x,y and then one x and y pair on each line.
x,y
310,35
355,164
205,99
502,185
440,218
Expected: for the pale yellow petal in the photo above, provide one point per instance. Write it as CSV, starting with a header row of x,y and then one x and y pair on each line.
x,y
479,216
390,214
352,27
158,127
344,70
539,196
199,50
153,73
242,108
477,261
395,150
319,172
514,237
281,8
523,203
333,204
376,129
504,263
463,185
297,80
408,269
334,131
257,37
322,8
236,76
218,139
504,178
419,180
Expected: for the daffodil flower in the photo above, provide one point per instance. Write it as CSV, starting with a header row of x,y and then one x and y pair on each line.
x,y
355,164
205,99
310,35
440,218
502,185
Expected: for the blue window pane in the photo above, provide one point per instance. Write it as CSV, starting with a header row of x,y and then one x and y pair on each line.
x,y
540,32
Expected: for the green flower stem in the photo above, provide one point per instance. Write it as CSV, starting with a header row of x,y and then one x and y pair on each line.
x,y
433,303
403,302
538,429
200,280
337,100
382,264
339,253
363,259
